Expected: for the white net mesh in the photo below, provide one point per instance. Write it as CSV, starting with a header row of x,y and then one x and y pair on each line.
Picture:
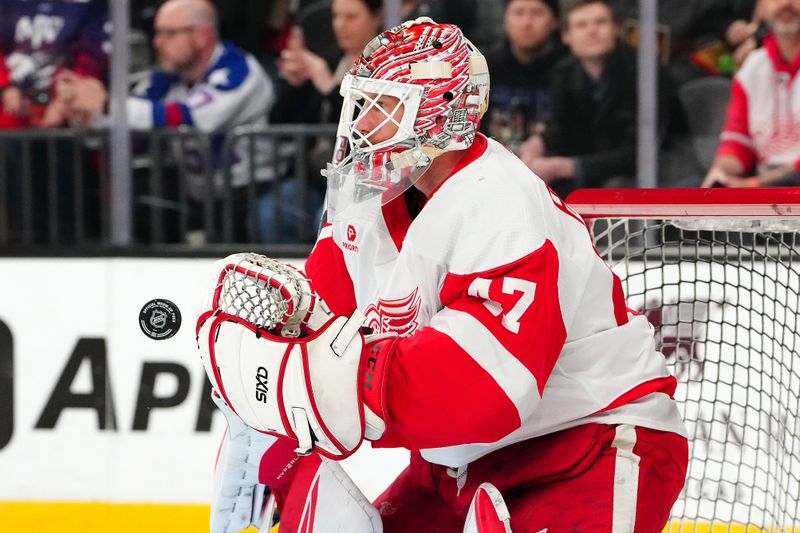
x,y
724,301
264,292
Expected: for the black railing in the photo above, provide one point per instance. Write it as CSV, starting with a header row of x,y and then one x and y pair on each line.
x,y
256,186
45,188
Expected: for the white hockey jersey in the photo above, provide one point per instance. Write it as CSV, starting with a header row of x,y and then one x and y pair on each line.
x,y
513,327
234,91
762,129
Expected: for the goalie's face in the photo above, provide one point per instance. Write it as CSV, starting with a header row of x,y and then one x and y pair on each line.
x,y
377,115
380,117
378,152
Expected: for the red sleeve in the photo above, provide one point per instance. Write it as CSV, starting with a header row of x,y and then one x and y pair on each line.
x,y
326,268
736,138
5,78
88,66
481,366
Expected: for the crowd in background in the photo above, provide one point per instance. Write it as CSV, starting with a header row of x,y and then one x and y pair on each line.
x,y
563,92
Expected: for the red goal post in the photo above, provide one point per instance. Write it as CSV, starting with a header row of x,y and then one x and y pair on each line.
x,y
717,273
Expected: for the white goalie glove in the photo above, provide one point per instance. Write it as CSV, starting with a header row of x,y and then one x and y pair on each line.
x,y
281,360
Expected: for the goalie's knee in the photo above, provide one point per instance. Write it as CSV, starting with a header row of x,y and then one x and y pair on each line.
x,y
488,512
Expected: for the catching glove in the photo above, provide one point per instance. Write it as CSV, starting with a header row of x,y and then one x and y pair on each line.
x,y
281,360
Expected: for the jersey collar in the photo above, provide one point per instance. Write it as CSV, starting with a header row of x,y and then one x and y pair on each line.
x,y
771,46
396,213
475,150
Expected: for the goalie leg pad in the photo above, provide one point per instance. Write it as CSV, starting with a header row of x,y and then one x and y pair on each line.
x,y
238,497
323,499
488,512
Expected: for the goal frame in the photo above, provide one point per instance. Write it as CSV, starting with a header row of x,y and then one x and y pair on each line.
x,y
757,211
760,202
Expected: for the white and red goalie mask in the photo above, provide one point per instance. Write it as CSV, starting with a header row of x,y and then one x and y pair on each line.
x,y
428,86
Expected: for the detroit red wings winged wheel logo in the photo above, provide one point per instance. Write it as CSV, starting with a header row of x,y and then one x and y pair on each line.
x,y
396,316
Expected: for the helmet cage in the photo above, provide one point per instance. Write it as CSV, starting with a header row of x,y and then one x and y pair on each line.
x,y
362,95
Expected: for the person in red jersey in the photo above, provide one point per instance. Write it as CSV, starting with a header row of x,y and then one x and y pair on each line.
x,y
760,141
499,348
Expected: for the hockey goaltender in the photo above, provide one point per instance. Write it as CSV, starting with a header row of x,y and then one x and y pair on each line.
x,y
454,306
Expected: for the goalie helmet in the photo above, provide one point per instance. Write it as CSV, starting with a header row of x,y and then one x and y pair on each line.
x,y
438,85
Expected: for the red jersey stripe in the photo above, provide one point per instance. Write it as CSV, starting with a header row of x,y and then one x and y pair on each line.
x,y
665,385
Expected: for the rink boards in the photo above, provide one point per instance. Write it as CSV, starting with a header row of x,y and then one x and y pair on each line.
x,y
108,430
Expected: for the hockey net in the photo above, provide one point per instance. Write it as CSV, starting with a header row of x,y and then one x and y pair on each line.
x,y
717,273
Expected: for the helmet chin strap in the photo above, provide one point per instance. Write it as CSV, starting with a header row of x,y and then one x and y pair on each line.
x,y
415,157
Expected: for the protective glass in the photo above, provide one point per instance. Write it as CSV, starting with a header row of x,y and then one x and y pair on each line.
x,y
360,182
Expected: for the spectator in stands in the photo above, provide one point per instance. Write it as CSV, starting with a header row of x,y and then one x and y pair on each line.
x,y
40,41
462,13
694,36
520,99
695,39
310,95
591,139
761,137
313,94
205,83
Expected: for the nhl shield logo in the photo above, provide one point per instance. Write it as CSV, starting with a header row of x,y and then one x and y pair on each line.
x,y
160,319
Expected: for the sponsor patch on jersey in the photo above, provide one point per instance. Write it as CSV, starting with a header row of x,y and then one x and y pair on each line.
x,y
160,319
351,238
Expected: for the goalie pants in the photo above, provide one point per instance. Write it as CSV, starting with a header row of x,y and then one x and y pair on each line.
x,y
595,477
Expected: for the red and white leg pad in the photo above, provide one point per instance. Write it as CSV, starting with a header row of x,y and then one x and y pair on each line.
x,y
324,499
488,512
